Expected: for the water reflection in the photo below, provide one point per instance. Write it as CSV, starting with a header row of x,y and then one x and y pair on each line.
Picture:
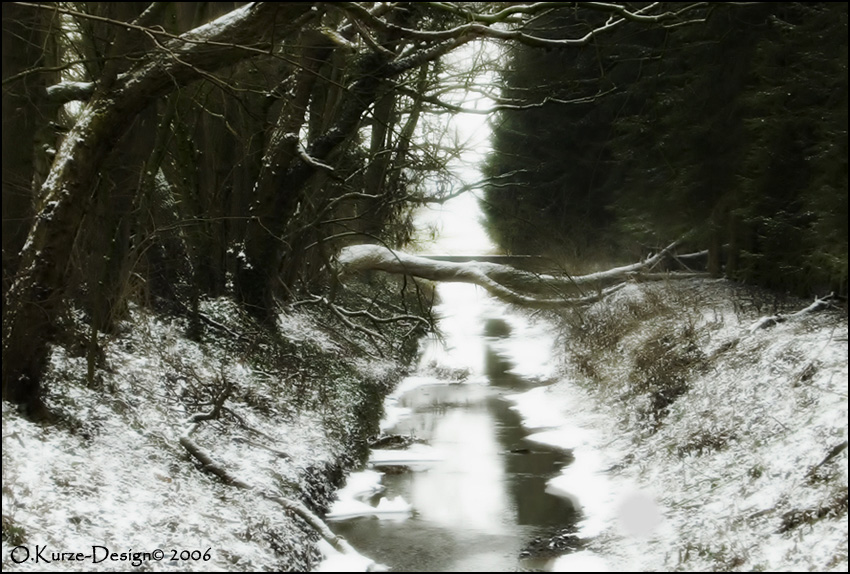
x,y
478,506
464,491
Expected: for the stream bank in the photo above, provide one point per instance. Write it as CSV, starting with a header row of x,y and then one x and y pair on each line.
x,y
732,440
301,404
723,443
701,441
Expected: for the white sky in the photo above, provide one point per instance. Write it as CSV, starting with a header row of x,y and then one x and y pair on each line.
x,y
457,222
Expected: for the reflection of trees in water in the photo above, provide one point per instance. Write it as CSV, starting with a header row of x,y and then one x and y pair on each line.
x,y
409,546
497,368
496,327
529,469
459,413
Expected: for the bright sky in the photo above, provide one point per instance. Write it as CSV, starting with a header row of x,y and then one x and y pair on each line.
x,y
459,231
457,222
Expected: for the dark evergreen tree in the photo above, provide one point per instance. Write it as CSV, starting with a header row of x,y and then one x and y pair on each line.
x,y
734,131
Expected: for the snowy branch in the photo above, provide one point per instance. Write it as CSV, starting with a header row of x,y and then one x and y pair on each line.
x,y
65,92
819,304
313,162
480,25
502,281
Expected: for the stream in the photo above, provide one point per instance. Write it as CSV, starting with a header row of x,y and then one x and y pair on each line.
x,y
470,493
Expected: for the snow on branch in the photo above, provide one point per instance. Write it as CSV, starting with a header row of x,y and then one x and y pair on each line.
x,y
819,304
65,92
482,25
502,281
313,162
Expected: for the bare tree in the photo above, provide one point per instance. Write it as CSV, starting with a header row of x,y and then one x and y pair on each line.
x,y
33,300
343,68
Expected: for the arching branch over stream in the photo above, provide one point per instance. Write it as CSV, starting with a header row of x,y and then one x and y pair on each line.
x,y
508,283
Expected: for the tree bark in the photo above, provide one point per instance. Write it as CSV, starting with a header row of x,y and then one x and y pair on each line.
x,y
24,37
274,197
33,301
506,283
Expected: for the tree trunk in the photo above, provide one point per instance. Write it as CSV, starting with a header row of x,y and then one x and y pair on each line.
x,y
507,283
274,198
34,299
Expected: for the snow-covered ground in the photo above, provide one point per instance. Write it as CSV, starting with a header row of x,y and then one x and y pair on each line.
x,y
699,444
733,474
112,482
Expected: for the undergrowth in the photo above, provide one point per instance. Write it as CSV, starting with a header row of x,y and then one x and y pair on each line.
x,y
742,433
302,401
643,347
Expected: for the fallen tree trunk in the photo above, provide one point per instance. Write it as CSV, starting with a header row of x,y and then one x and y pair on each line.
x,y
819,304
505,282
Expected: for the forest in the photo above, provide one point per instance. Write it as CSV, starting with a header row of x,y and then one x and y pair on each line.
x,y
177,151
170,152
229,191
734,130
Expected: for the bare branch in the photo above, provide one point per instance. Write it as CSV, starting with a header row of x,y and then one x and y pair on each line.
x,y
444,197
376,319
371,42
353,326
480,26
499,280
640,15
213,413
313,162
454,108
504,15
819,304
209,464
199,36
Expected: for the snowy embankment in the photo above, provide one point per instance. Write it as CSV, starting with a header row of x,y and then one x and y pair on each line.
x,y
110,479
701,443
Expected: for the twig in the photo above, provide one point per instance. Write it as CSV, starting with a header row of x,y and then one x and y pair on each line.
x,y
208,464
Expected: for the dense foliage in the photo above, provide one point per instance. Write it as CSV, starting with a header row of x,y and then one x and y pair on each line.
x,y
164,153
734,130
200,150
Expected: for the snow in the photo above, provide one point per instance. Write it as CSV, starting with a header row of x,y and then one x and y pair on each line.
x,y
394,509
350,503
415,454
774,401
732,478
299,327
114,474
393,413
335,561
213,30
362,484
582,561
713,484
573,426
539,408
